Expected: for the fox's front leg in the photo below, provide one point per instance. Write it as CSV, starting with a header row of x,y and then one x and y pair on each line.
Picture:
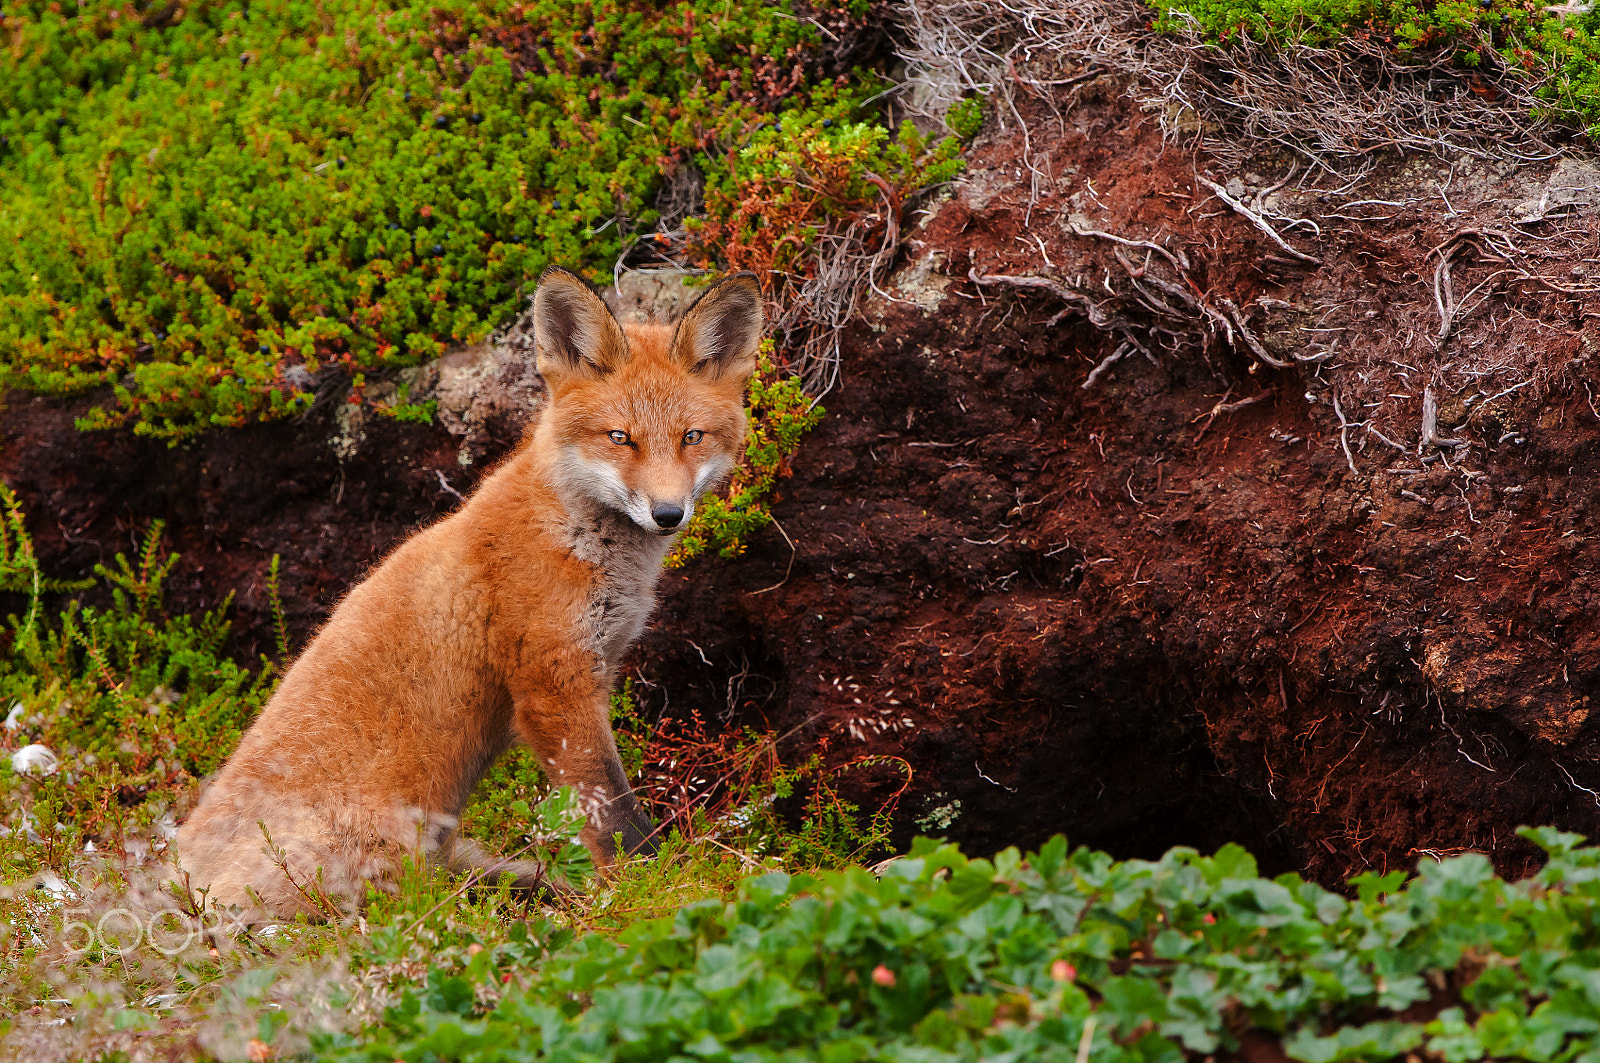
x,y
573,740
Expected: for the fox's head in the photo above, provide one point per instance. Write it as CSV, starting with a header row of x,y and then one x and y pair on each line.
x,y
644,419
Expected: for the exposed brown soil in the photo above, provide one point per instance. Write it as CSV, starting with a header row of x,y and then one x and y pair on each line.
x,y
230,502
1115,612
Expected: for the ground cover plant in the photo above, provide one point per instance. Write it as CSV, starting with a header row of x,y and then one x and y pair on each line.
x,y
209,207
1059,955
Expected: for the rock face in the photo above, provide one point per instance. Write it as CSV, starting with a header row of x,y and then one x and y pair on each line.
x,y
652,294
1125,521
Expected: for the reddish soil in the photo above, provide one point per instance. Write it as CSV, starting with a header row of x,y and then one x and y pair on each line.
x,y
1106,611
230,502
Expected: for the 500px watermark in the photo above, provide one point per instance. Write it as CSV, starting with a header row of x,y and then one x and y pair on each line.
x,y
123,930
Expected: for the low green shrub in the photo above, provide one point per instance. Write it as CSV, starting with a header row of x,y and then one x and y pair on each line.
x,y
1057,956
1557,49
813,173
966,117
208,203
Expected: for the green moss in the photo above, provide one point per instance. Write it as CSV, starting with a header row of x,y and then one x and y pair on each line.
x,y
966,117
1560,53
195,211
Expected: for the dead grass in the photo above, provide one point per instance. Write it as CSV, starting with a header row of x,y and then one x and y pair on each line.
x,y
1337,108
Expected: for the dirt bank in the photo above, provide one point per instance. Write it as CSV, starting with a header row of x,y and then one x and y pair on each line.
x,y
1199,598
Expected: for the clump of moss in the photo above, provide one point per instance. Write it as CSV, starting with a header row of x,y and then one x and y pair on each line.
x,y
208,205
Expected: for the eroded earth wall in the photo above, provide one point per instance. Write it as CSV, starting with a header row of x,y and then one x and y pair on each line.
x,y
1130,519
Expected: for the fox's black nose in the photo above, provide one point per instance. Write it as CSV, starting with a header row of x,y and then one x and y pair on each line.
x,y
666,514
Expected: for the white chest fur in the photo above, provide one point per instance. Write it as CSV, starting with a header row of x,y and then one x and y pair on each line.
x,y
627,560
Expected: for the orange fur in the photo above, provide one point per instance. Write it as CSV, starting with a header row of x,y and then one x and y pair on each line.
x,y
506,621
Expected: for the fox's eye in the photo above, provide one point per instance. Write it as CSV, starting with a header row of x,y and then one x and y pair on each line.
x,y
692,436
619,438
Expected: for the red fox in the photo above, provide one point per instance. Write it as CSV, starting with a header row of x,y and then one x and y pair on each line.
x,y
505,621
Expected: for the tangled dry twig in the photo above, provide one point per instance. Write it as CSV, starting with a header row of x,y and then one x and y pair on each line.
x,y
1335,106
1347,116
1157,306
1259,222
819,240
846,262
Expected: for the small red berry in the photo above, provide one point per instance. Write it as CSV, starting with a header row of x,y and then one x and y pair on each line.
x,y
881,975
1062,971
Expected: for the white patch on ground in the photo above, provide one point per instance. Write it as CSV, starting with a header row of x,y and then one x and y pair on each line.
x,y
979,186
34,758
1572,189
348,439
52,884
922,283
645,295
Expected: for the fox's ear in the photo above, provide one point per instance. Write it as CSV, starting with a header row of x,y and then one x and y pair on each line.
x,y
720,333
574,331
